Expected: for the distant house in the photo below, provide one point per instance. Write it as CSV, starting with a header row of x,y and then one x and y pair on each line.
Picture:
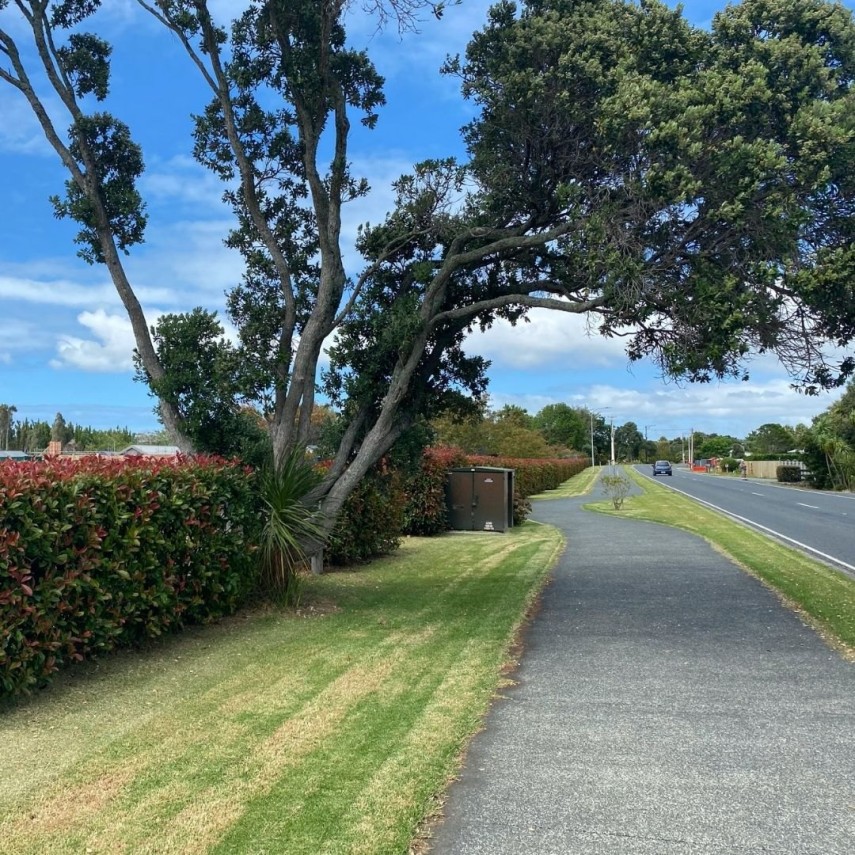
x,y
14,455
150,451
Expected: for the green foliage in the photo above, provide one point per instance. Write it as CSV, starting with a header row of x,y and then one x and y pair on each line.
x,y
202,379
85,60
371,521
97,554
426,508
771,439
728,464
565,426
616,486
509,432
289,525
103,144
829,445
788,474
59,431
7,412
629,442
714,446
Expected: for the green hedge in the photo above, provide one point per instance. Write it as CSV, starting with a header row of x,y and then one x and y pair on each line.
x,y
426,512
535,476
788,474
371,521
103,553
426,508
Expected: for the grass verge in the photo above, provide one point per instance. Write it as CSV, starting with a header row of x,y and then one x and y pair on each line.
x,y
578,485
824,597
330,730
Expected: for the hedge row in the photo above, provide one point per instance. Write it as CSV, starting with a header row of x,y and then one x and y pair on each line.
x,y
788,474
371,521
535,476
425,512
97,554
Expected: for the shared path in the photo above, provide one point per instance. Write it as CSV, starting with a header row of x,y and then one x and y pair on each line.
x,y
666,704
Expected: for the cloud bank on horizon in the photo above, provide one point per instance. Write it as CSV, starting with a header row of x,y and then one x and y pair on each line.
x,y
66,344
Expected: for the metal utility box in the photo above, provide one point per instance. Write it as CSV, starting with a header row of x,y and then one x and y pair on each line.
x,y
481,498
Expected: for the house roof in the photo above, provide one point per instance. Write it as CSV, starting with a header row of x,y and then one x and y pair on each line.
x,y
150,451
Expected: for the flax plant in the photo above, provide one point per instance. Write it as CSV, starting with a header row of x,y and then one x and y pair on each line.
x,y
291,527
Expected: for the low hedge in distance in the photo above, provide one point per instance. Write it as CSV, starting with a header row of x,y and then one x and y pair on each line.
x,y
99,553
426,512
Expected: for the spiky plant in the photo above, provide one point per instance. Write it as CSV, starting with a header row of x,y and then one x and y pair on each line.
x,y
290,525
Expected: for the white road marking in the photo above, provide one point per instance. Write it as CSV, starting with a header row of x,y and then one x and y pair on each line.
x,y
815,507
849,567
757,494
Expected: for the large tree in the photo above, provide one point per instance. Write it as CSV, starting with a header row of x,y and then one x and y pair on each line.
x,y
566,426
771,438
689,189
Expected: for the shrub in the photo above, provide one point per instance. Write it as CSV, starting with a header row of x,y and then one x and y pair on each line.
x,y
616,487
371,520
425,506
96,554
788,474
729,464
288,525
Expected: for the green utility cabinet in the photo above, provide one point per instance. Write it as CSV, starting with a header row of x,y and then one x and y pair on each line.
x,y
481,498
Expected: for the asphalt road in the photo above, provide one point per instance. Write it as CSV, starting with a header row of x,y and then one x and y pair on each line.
x,y
823,524
666,704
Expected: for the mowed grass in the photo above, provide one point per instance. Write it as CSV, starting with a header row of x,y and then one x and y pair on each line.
x,y
329,730
579,485
824,597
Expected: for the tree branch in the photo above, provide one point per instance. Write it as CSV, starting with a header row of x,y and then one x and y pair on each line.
x,y
527,300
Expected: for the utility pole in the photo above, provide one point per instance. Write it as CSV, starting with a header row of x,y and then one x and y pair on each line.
x,y
593,458
613,444
645,441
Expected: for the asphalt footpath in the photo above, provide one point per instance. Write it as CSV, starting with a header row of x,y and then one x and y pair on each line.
x,y
666,703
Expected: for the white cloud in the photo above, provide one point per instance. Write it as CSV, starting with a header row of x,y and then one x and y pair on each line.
x,y
182,180
21,334
188,260
20,131
56,292
732,408
68,293
549,337
110,351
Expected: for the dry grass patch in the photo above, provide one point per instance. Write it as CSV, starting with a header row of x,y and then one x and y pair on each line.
x,y
326,731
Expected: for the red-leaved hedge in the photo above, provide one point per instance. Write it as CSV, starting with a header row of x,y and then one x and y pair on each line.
x,y
103,553
426,511
371,520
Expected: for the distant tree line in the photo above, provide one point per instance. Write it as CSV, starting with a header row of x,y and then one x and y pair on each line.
x,y
33,435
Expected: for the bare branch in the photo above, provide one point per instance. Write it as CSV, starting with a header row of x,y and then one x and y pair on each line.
x,y
527,300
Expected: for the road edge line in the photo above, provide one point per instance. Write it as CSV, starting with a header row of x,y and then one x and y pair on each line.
x,y
850,569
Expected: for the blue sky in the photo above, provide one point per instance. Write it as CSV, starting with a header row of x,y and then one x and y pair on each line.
x,y
65,343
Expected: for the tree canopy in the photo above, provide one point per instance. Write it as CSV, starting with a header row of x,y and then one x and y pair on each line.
x,y
689,189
